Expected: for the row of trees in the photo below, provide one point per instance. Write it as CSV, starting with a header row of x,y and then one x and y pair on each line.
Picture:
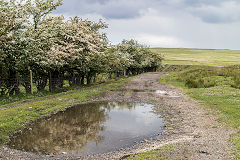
x,y
58,49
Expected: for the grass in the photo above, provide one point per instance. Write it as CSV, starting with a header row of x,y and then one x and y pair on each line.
x,y
16,118
199,81
168,152
182,56
23,96
215,88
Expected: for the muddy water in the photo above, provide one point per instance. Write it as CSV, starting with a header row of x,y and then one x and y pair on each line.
x,y
90,129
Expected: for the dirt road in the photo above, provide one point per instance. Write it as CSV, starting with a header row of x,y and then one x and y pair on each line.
x,y
192,129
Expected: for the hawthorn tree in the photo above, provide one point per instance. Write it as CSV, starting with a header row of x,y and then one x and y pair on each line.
x,y
14,21
77,49
42,36
58,49
134,58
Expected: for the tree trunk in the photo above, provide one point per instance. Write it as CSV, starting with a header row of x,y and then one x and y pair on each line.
x,y
41,83
78,79
27,87
50,82
56,81
95,78
82,79
89,78
71,80
13,83
110,75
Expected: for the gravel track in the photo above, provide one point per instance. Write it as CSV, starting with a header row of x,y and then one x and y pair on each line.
x,y
191,128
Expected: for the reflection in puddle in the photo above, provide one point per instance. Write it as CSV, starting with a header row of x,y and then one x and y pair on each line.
x,y
160,92
174,96
135,90
143,90
90,129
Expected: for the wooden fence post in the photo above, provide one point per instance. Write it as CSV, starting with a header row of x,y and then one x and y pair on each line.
x,y
31,81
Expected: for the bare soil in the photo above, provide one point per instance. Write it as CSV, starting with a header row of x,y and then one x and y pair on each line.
x,y
192,129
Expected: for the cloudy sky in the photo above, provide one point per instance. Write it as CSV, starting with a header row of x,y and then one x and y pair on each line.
x,y
164,23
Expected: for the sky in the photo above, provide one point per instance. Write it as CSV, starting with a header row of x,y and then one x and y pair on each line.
x,y
209,24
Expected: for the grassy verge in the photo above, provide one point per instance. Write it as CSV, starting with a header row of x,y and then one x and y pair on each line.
x,y
23,97
15,118
217,88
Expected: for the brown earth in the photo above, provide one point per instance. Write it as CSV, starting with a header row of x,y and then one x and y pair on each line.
x,y
192,129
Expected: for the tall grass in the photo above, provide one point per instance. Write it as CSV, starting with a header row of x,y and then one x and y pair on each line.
x,y
207,76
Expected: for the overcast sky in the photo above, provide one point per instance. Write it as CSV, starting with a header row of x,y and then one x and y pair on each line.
x,y
164,23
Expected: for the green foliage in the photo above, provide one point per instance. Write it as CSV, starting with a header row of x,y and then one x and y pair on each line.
x,y
132,57
41,8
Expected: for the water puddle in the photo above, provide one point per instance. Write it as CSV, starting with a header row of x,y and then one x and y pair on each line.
x,y
143,90
174,96
160,92
91,128
135,90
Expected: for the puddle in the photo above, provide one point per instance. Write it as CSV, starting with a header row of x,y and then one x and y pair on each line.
x,y
142,90
135,90
91,128
174,96
160,92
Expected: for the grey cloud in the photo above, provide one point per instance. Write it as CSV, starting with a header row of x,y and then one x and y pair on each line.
x,y
210,11
165,23
224,12
124,14
179,31
203,2
111,9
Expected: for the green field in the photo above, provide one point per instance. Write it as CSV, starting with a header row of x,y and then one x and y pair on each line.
x,y
214,87
182,56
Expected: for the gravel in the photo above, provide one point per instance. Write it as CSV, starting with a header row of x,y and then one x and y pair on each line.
x,y
188,126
